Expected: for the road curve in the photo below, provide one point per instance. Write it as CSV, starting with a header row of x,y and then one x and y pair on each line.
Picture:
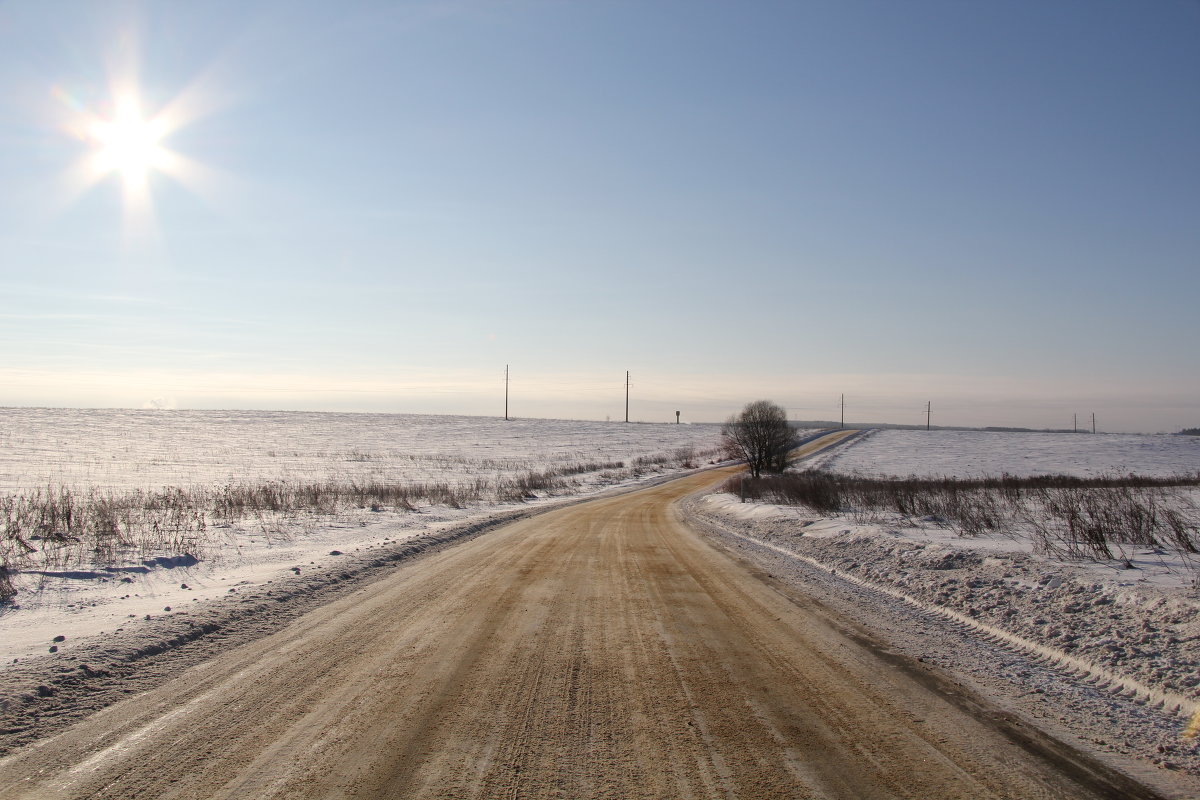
x,y
599,651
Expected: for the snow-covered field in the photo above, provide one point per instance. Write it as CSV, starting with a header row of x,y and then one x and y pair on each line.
x,y
1127,632
148,449
974,453
126,450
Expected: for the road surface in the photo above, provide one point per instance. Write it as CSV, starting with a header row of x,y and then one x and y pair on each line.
x,y
603,650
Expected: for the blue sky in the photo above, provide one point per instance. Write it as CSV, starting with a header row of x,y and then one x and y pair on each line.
x,y
993,207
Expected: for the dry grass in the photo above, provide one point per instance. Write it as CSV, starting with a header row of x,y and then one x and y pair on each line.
x,y
7,589
59,527
1095,518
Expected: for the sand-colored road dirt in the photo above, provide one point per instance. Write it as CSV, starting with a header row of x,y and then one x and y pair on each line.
x,y
600,651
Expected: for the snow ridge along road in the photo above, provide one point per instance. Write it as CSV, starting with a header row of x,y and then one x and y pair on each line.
x,y
603,650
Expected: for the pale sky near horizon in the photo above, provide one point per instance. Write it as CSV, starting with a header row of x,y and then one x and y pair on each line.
x,y
992,207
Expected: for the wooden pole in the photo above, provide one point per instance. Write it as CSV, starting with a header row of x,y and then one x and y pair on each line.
x,y
627,395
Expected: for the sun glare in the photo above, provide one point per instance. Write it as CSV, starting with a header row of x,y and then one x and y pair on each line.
x,y
124,142
128,143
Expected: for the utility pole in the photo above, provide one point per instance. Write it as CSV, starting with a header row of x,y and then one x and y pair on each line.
x,y
1093,422
843,403
506,392
1075,422
627,395
928,413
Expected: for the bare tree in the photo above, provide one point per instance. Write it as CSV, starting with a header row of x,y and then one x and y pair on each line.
x,y
760,436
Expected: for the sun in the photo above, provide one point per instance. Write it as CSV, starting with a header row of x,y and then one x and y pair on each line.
x,y
128,143
124,141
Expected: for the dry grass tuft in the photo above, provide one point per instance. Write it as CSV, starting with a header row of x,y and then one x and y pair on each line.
x,y
1083,518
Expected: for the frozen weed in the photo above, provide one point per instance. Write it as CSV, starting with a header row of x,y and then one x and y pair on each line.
x,y
1100,518
61,526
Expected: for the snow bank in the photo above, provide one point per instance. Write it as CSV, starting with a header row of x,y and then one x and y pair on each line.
x,y
905,595
1143,623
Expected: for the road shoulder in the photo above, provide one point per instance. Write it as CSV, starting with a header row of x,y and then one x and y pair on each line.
x,y
1062,713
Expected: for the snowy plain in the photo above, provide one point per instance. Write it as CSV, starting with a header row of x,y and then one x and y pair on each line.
x,y
966,454
128,450
147,449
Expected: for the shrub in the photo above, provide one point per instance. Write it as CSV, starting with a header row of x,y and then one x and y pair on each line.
x,y
761,436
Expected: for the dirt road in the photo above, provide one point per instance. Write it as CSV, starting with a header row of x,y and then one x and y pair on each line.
x,y
599,651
